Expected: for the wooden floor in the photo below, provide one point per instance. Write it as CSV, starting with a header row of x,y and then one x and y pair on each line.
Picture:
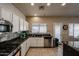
x,y
45,51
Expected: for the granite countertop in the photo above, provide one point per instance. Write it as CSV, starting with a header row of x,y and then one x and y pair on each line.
x,y
8,47
72,44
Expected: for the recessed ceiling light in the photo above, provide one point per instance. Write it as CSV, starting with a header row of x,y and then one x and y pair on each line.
x,y
35,14
48,4
32,4
63,4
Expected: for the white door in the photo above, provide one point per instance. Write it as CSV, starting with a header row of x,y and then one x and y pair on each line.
x,y
57,31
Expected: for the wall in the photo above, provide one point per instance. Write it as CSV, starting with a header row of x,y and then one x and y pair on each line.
x,y
12,14
50,20
54,19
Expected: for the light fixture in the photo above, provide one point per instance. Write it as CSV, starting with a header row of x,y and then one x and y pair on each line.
x,y
48,4
63,4
35,14
32,4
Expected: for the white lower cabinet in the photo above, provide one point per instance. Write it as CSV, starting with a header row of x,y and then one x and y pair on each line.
x,y
24,47
40,43
28,45
36,42
31,42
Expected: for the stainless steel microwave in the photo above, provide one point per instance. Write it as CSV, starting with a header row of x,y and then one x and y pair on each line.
x,y
5,26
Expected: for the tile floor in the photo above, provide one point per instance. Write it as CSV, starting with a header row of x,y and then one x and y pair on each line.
x,y
45,51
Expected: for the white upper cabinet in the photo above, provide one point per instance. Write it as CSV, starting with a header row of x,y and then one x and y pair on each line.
x,y
24,25
21,24
0,12
27,25
15,23
12,14
6,14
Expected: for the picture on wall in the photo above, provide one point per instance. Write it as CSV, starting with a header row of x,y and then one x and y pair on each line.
x,y
65,27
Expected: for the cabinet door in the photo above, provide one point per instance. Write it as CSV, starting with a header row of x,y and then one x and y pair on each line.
x,y
33,42
6,15
29,41
15,23
28,45
27,25
40,42
0,12
21,24
23,48
36,42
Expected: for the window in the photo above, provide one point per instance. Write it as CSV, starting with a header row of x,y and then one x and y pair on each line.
x,y
74,30
71,29
43,28
39,28
35,28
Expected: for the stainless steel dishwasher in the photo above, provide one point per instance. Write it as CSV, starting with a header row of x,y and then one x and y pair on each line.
x,y
47,41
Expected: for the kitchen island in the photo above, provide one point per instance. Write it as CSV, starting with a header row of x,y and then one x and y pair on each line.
x,y
71,48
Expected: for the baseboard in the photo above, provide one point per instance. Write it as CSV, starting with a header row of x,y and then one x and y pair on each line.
x,y
48,47
36,47
41,47
27,52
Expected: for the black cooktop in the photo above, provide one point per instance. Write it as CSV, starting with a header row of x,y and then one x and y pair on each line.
x,y
7,47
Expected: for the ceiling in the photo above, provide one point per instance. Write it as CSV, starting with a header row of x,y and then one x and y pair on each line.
x,y
55,9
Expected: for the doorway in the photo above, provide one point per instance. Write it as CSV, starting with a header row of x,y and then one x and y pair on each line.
x,y
57,27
